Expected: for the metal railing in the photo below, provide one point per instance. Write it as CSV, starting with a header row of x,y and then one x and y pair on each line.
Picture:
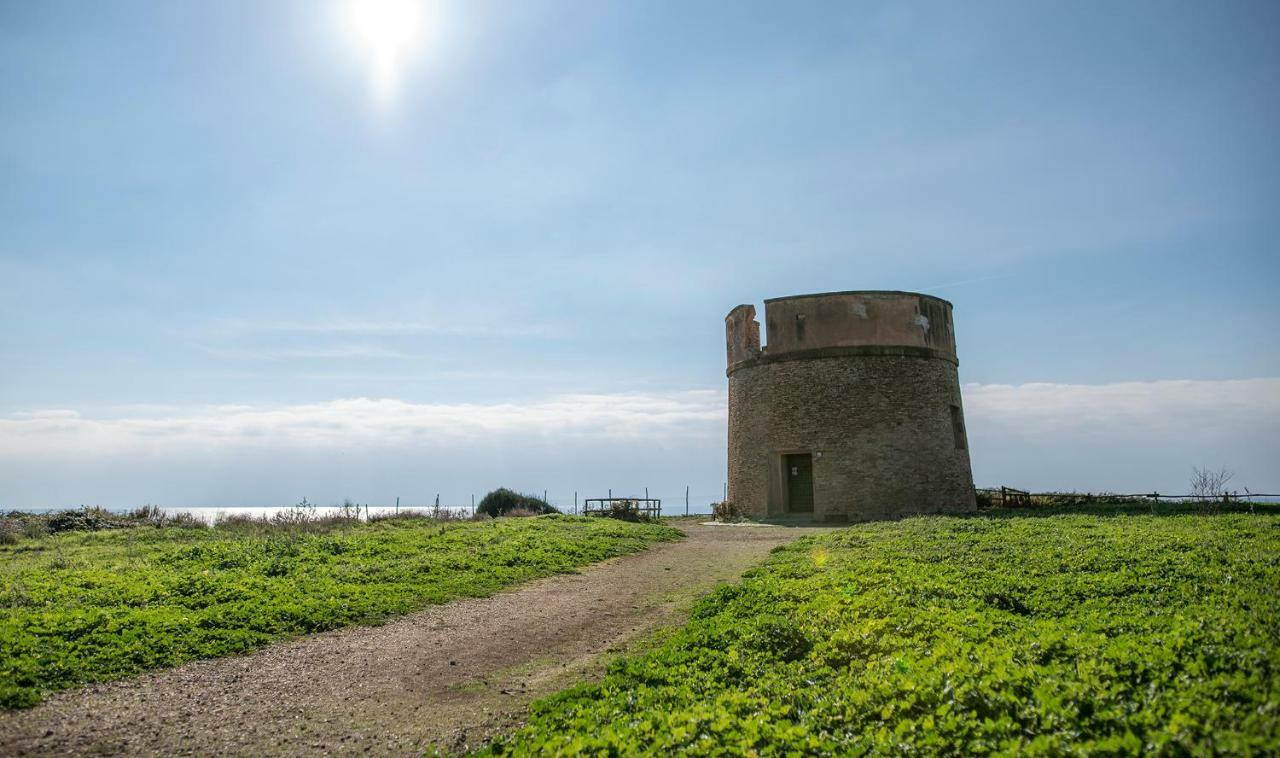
x,y
648,507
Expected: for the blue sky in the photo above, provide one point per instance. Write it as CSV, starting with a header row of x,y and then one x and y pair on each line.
x,y
234,274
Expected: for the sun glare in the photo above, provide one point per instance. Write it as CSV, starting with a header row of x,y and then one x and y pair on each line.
x,y
388,34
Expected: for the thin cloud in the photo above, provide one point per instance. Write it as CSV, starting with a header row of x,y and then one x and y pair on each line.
x,y
1125,408
334,352
1128,436
393,327
366,422
1120,410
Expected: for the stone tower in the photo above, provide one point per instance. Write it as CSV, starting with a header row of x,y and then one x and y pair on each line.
x,y
852,410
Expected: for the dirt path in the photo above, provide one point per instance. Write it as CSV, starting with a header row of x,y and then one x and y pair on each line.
x,y
450,676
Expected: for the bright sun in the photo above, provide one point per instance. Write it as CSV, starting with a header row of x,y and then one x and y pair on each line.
x,y
387,33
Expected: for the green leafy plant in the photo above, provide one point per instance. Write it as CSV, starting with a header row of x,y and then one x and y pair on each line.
x,y
80,607
1084,634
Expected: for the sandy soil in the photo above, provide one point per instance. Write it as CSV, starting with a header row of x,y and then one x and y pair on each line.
x,y
449,677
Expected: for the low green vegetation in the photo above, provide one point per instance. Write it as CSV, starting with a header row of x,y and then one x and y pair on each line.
x,y
1038,634
79,607
16,525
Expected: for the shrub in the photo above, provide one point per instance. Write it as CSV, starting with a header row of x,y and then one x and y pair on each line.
x,y
152,515
726,511
185,520
238,521
502,502
405,515
301,513
626,510
439,513
86,520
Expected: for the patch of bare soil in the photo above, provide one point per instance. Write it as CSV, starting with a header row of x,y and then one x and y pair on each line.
x,y
449,677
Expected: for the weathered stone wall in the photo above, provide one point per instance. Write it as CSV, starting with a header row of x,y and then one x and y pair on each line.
x,y
741,334
845,319
871,402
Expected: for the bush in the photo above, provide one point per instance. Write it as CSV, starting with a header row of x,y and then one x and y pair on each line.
x,y
238,521
627,510
151,515
405,515
86,520
726,511
505,502
17,524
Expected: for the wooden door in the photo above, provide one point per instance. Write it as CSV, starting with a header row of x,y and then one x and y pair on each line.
x,y
798,469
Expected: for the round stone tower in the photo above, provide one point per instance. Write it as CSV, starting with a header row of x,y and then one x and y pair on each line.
x,y
852,410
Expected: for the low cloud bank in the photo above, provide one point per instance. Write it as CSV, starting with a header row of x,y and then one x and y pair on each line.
x,y
1128,407
1130,435
364,422
1124,437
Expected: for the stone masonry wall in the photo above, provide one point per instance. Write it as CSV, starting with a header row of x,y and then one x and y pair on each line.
x,y
877,420
882,424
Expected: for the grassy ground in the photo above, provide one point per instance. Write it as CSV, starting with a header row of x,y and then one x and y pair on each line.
x,y
81,607
1039,634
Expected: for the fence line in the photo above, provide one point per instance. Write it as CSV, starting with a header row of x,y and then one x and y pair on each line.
x,y
695,504
1013,497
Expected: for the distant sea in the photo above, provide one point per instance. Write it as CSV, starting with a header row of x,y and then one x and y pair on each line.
x,y
211,514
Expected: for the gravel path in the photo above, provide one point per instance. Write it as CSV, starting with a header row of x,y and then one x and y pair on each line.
x,y
450,677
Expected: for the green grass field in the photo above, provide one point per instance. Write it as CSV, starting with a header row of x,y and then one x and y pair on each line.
x,y
1045,635
81,607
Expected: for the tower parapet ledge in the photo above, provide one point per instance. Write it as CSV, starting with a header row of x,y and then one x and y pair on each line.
x,y
860,322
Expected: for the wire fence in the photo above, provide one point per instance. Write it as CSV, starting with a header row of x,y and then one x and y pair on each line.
x,y
681,503
1011,497
689,503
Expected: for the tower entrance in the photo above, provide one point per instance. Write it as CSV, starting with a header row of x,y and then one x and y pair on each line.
x,y
798,469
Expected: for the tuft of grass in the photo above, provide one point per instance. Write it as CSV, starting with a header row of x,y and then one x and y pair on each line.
x,y
82,607
1105,633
